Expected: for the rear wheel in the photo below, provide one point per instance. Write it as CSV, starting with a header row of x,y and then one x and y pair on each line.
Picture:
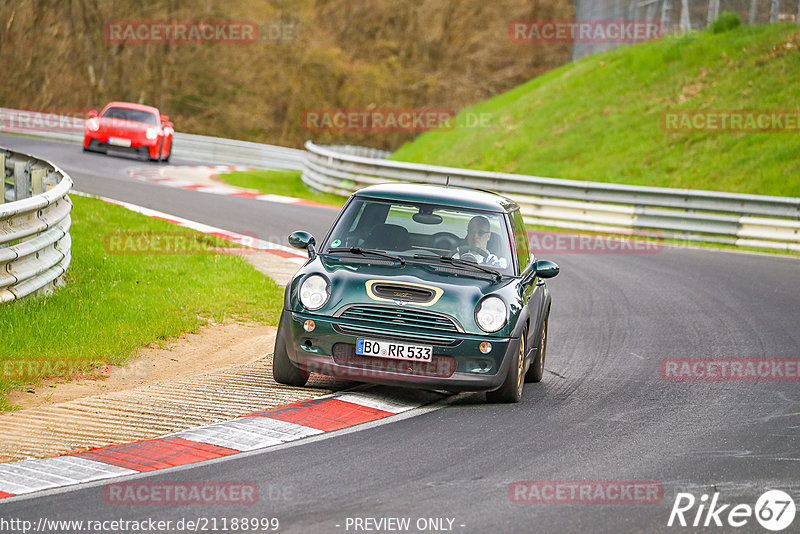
x,y
511,390
283,370
536,370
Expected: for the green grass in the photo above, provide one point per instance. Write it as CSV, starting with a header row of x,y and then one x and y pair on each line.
x,y
114,303
284,183
599,119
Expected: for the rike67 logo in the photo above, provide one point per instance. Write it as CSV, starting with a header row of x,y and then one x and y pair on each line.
x,y
774,510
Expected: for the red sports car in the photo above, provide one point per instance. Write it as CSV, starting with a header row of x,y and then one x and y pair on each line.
x,y
132,127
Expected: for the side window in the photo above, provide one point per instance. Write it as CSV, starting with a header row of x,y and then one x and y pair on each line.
x,y
521,238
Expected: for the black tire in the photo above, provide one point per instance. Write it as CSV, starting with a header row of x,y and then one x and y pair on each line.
x,y
283,370
536,370
94,146
511,390
157,158
169,153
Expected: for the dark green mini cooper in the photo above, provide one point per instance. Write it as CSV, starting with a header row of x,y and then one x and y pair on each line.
x,y
422,286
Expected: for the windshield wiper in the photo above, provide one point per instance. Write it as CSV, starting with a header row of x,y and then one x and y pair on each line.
x,y
458,262
365,251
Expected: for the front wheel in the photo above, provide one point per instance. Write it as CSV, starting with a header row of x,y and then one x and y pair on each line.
x,y
511,390
283,370
536,370
158,154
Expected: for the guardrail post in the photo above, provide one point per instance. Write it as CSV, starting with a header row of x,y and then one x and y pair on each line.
x,y
713,11
2,178
666,16
774,11
37,180
686,24
51,180
22,180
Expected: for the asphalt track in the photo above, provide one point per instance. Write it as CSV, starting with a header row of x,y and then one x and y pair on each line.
x,y
603,412
108,176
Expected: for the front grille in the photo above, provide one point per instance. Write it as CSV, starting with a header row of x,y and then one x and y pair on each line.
x,y
403,292
395,316
439,366
412,337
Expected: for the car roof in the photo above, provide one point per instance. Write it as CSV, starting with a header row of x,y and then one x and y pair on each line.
x,y
131,105
454,196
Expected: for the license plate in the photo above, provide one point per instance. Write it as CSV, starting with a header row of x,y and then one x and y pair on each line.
x,y
118,141
396,351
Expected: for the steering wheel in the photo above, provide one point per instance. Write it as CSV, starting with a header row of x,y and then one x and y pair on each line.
x,y
472,251
472,254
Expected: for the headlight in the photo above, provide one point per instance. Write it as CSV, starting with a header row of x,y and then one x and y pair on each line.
x,y
151,133
93,125
491,314
314,292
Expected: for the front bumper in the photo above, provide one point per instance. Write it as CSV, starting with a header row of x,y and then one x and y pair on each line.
x,y
138,144
458,364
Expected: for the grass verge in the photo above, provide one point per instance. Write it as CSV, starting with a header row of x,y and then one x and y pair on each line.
x,y
114,303
284,183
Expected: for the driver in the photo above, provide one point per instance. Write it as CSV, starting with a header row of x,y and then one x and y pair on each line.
x,y
477,242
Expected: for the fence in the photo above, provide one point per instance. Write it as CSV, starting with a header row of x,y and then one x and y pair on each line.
x,y
35,245
679,15
708,216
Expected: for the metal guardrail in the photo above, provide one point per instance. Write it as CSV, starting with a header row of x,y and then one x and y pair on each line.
x,y
185,146
230,152
35,245
685,214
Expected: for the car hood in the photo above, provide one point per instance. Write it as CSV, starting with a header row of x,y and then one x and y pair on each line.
x,y
455,295
121,128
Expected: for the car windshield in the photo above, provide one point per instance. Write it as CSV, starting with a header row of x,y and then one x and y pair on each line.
x,y
418,231
135,115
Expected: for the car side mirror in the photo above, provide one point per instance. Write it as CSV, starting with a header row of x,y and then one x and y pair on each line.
x,y
303,241
92,113
546,268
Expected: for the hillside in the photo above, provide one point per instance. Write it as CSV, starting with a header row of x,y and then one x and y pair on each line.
x,y
600,119
311,54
